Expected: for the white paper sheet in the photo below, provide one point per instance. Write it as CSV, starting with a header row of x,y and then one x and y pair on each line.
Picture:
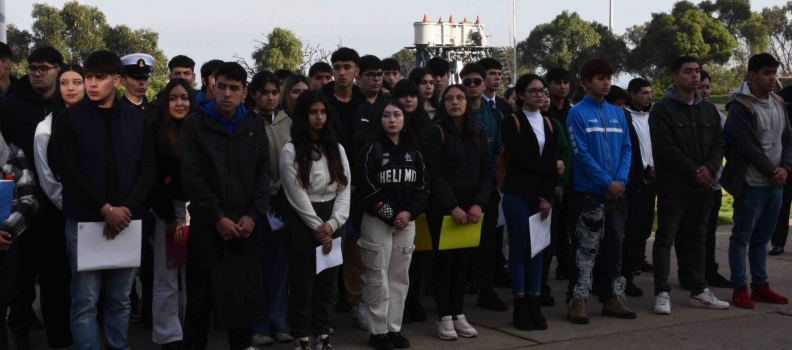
x,y
95,252
540,232
275,223
333,259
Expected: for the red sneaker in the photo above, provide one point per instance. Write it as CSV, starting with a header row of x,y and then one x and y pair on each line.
x,y
741,299
763,294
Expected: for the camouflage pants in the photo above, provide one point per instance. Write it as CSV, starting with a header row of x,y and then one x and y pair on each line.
x,y
598,229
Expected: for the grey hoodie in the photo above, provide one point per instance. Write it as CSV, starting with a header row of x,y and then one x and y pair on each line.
x,y
770,123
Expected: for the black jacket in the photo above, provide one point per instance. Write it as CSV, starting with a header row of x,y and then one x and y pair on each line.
x,y
342,115
361,128
528,173
560,114
11,87
225,175
503,106
20,114
684,138
168,184
95,172
146,107
391,179
637,172
420,123
456,163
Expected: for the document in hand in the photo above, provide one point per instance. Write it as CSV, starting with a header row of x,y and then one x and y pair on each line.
x,y
333,259
456,236
540,232
95,252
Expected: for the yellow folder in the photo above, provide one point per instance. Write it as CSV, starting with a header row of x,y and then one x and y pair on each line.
x,y
452,235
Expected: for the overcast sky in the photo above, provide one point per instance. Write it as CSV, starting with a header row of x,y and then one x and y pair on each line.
x,y
204,30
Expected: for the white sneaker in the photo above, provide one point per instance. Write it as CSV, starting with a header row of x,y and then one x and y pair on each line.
x,y
445,329
707,300
463,328
302,344
322,342
283,337
251,348
358,315
262,339
662,304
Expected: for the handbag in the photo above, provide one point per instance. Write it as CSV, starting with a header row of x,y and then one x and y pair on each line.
x,y
237,286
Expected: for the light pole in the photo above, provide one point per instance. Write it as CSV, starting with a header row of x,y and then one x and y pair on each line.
x,y
3,38
514,41
610,26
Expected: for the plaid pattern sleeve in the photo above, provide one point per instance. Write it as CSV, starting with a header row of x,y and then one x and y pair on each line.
x,y
25,202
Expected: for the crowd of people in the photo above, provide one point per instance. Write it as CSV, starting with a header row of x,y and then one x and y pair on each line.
x,y
257,176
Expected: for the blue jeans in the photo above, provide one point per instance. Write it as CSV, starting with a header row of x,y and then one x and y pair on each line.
x,y
755,217
276,273
526,272
85,289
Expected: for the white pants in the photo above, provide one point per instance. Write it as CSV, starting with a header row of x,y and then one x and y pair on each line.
x,y
168,304
386,255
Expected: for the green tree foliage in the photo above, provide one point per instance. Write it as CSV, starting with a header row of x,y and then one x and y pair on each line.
x,y
406,60
559,43
77,30
20,42
725,78
283,50
779,27
731,13
685,31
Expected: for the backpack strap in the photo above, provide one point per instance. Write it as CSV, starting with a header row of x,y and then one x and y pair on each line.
x,y
517,121
549,124
442,134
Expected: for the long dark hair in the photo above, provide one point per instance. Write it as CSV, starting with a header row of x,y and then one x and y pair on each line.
x,y
170,128
419,119
406,138
470,127
305,151
57,102
288,84
258,83
416,76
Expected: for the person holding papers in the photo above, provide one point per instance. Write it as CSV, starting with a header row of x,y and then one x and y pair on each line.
x,y
529,189
104,154
169,203
392,184
461,175
315,175
225,173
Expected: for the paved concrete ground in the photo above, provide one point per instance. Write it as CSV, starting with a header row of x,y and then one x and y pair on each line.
x,y
766,327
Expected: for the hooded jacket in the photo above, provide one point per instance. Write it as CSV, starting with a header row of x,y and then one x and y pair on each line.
x,y
343,115
600,142
745,148
11,87
225,174
685,137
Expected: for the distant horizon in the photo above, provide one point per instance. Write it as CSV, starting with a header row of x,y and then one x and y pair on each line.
x,y
203,31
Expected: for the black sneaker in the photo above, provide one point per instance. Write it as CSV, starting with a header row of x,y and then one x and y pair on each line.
x,y
381,341
488,299
300,344
776,250
398,340
632,290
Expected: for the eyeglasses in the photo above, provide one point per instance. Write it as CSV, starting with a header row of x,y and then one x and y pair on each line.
x,y
538,92
373,75
41,70
476,81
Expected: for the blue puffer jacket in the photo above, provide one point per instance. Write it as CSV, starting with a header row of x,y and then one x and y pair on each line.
x,y
600,141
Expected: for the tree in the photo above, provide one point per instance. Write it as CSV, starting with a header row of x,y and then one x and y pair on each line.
x,y
634,34
406,58
283,50
686,31
779,27
610,47
20,42
731,13
558,43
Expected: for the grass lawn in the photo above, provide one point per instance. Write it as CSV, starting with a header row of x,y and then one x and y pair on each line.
x,y
719,98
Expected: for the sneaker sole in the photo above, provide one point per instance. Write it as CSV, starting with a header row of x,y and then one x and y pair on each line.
x,y
707,306
621,316
662,312
577,320
467,335
447,338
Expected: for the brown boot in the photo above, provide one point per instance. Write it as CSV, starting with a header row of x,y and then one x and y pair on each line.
x,y
577,311
615,307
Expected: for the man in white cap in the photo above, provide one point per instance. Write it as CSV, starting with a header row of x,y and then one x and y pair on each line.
x,y
135,78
